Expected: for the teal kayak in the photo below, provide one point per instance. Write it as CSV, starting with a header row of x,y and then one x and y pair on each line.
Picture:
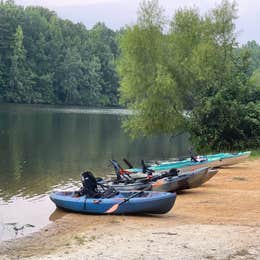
x,y
191,164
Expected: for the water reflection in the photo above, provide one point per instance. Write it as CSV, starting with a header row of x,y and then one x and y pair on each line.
x,y
41,150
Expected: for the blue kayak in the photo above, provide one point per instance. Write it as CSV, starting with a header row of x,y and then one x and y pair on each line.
x,y
191,164
146,202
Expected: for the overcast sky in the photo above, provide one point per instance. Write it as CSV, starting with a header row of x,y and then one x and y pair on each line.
x,y
117,13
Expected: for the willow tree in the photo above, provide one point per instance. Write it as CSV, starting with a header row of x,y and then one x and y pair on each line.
x,y
147,86
194,67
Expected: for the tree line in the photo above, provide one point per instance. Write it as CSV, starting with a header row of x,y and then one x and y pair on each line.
x,y
188,74
44,59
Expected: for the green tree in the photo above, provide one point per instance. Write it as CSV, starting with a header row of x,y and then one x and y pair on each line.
x,y
224,123
70,71
255,78
147,87
105,48
2,90
55,60
253,48
194,66
20,83
225,117
91,83
184,37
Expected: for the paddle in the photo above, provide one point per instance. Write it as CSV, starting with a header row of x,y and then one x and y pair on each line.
x,y
115,206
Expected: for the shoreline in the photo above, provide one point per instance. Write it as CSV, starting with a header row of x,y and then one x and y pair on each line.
x,y
219,220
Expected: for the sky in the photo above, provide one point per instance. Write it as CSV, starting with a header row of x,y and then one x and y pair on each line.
x,y
117,13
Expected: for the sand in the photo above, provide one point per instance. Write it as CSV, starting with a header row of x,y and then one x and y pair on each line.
x,y
220,220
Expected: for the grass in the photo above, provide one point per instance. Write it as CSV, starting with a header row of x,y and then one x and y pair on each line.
x,y
239,179
255,154
79,239
92,238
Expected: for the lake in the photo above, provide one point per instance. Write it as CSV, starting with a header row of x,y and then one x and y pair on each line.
x,y
47,147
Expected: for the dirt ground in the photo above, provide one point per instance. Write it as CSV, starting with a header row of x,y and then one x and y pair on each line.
x,y
220,220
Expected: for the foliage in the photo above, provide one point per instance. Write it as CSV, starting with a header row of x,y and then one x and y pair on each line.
x,y
195,66
226,124
253,49
226,115
44,59
255,78
147,87
255,154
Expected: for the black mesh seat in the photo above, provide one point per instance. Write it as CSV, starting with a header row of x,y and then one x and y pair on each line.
x,y
173,172
89,183
90,187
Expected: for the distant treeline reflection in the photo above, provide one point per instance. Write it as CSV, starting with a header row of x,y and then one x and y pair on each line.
x,y
39,150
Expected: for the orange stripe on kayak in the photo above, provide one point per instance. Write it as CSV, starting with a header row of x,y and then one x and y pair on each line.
x,y
158,183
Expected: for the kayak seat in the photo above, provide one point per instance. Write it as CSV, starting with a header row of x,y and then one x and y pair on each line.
x,y
197,159
146,168
193,159
89,183
90,187
173,172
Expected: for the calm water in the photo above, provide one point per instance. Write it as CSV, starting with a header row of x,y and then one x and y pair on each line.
x,y
46,147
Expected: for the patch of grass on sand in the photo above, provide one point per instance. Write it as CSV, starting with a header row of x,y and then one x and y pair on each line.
x,y
255,154
92,238
114,222
240,254
79,239
239,179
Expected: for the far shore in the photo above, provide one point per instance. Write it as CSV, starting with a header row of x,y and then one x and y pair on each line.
x,y
220,220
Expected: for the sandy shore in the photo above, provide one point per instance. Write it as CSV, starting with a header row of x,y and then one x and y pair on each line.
x,y
220,220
